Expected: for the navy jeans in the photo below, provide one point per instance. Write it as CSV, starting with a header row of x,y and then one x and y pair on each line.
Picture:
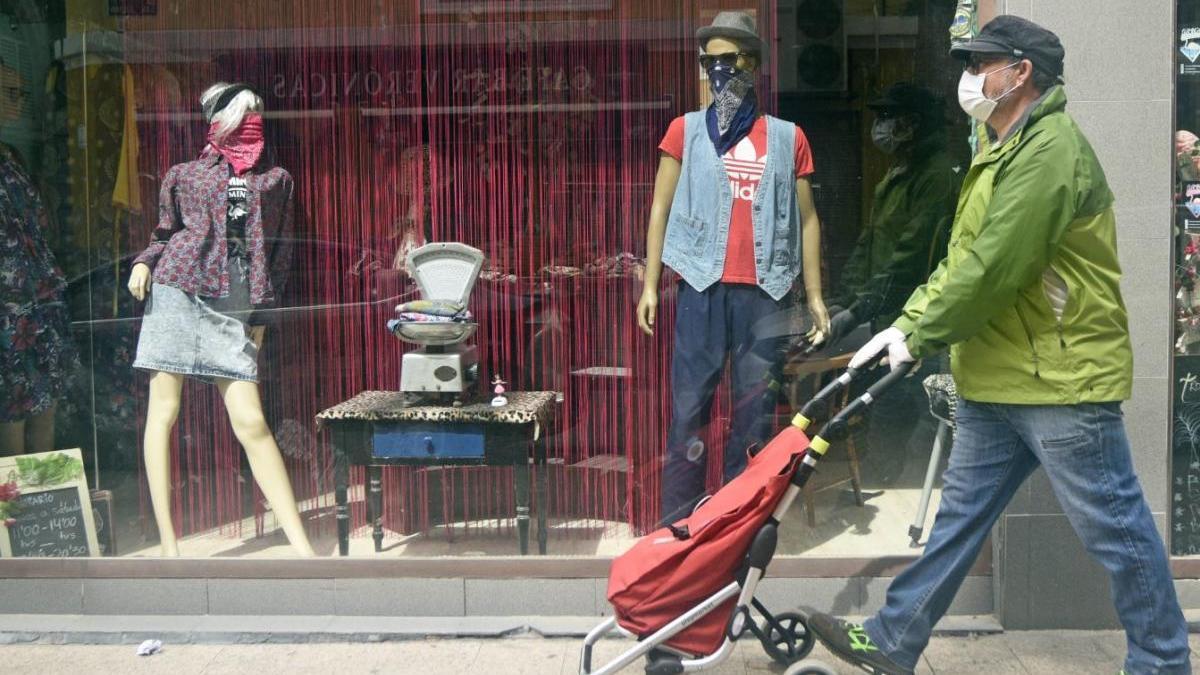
x,y
734,321
1086,455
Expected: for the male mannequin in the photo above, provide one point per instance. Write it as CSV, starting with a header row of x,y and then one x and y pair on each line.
x,y
211,263
733,215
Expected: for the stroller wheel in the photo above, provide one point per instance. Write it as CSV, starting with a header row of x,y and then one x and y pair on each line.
x,y
810,667
789,640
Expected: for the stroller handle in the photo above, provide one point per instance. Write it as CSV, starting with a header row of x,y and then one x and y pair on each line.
x,y
819,404
837,427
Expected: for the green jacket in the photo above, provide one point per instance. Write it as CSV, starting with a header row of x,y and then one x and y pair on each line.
x,y
905,237
1035,213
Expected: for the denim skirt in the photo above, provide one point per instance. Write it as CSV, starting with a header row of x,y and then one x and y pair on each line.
x,y
206,338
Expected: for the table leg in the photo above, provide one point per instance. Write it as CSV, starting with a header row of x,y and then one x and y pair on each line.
x,y
543,492
522,486
375,504
341,481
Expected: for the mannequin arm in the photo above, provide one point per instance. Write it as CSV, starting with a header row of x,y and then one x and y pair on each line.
x,y
664,194
169,222
811,235
278,243
281,241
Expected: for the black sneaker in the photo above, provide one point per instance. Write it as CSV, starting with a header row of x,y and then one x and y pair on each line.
x,y
849,642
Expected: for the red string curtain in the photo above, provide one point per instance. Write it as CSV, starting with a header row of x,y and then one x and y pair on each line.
x,y
527,129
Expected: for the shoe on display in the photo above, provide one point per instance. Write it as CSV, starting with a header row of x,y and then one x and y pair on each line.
x,y
849,642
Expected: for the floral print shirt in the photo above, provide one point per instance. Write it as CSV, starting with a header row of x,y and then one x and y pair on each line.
x,y
189,247
28,273
37,356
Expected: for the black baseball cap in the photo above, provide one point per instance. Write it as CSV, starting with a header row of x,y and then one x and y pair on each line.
x,y
1008,35
909,97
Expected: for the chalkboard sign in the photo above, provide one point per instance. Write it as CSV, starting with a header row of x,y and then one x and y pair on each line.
x,y
49,524
52,516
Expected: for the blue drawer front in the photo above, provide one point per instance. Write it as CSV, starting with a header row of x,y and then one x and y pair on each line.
x,y
429,440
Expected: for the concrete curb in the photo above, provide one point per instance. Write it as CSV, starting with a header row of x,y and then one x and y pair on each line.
x,y
209,629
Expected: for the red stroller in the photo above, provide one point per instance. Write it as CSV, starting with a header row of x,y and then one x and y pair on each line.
x,y
686,591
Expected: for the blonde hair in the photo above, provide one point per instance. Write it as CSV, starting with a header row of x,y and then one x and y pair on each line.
x,y
230,117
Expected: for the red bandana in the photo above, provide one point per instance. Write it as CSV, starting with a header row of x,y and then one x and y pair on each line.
x,y
243,146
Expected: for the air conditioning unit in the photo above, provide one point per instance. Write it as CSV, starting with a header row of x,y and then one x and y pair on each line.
x,y
812,45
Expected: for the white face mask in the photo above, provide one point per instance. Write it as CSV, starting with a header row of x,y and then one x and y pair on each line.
x,y
887,137
971,97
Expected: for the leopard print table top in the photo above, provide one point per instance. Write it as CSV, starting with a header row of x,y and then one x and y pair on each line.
x,y
524,407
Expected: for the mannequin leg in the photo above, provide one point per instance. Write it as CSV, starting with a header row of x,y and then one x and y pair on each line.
x,y
250,426
161,413
756,353
12,438
40,431
701,342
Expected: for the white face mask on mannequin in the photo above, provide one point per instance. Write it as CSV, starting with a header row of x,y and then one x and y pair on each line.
x,y
971,97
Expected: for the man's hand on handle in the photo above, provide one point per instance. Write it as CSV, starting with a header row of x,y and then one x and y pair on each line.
x,y
891,341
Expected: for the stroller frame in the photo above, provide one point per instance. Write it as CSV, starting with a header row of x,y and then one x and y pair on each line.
x,y
794,642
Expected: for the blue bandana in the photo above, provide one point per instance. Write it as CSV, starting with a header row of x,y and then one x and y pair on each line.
x,y
734,107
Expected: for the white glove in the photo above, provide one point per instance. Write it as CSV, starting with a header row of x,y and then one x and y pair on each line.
x,y
892,340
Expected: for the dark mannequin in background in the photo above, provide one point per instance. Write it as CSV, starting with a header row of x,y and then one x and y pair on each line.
x,y
36,352
911,212
898,247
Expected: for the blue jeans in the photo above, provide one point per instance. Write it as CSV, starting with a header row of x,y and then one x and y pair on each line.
x,y
1086,455
734,321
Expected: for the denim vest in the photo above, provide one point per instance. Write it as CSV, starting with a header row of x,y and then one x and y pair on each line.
x,y
698,226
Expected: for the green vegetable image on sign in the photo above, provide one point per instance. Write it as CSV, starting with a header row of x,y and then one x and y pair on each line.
x,y
52,469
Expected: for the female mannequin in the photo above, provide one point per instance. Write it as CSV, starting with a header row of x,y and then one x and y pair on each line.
x,y
728,162
209,263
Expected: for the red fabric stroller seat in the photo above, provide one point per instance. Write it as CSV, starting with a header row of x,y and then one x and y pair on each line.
x,y
673,569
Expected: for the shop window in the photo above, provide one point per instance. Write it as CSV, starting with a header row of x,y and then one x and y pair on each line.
x,y
528,131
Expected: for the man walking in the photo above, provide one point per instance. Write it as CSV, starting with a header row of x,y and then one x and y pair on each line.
x,y
1028,302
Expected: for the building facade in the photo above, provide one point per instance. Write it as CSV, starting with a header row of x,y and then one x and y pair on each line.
x,y
533,132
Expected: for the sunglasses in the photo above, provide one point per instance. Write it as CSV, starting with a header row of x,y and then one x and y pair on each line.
x,y
15,94
728,59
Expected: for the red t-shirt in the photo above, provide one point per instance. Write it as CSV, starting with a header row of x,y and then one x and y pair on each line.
x,y
744,163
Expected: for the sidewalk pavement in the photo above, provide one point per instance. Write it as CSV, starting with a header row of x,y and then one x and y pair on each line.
x,y
1024,653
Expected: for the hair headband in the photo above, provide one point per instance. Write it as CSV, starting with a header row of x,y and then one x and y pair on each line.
x,y
227,97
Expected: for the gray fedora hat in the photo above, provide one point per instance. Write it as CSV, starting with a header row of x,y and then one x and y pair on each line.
x,y
737,26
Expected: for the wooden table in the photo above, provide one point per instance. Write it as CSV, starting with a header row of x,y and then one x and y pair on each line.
x,y
378,428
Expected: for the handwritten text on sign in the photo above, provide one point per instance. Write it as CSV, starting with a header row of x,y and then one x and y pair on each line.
x,y
50,525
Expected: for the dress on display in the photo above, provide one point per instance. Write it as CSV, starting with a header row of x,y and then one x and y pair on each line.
x,y
36,352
